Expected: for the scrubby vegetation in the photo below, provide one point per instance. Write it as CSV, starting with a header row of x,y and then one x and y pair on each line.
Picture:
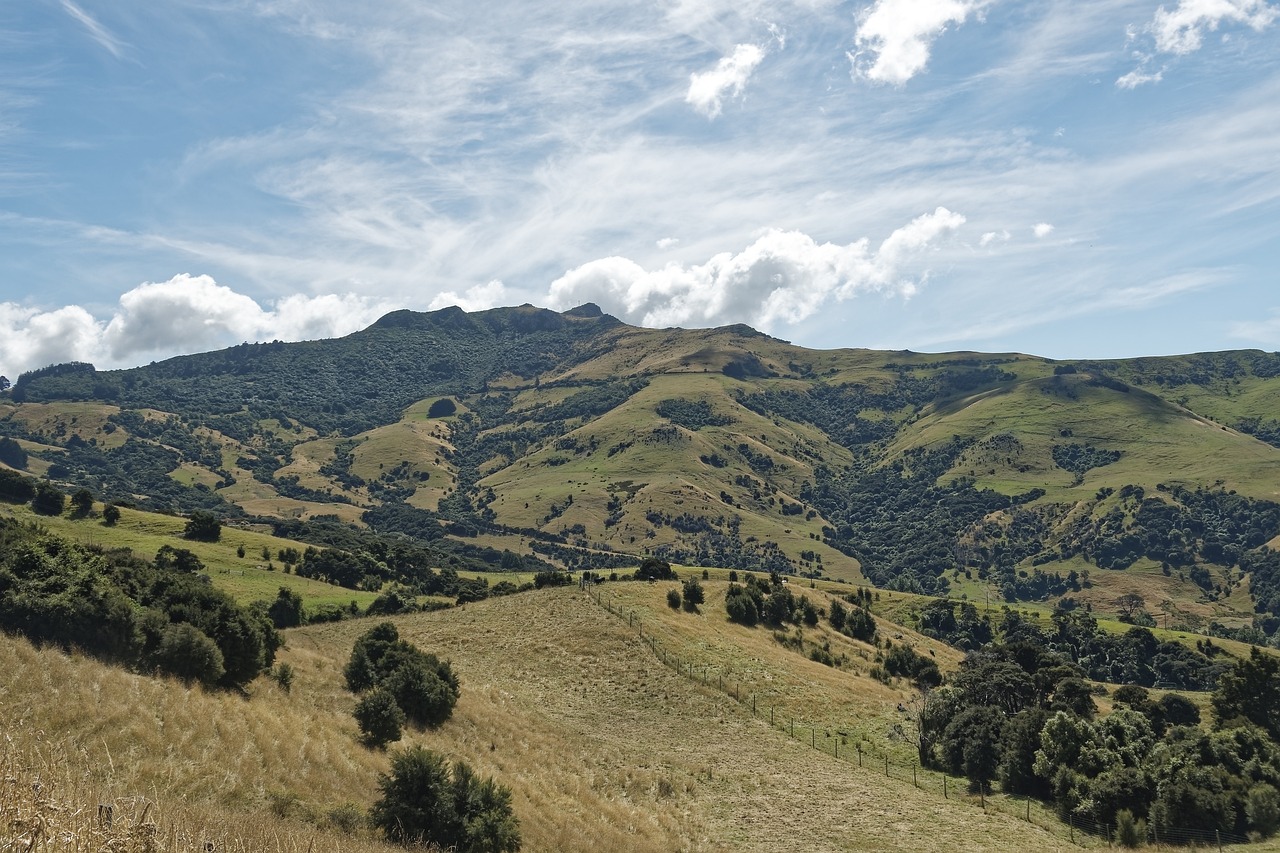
x,y
147,615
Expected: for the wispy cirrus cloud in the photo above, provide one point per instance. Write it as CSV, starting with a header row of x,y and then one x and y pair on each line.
x,y
96,30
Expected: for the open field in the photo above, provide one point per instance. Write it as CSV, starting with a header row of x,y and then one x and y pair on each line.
x,y
604,747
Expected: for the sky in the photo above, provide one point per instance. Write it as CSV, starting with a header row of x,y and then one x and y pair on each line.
x,y
1067,178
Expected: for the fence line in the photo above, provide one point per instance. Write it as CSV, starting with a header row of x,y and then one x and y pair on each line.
x,y
855,750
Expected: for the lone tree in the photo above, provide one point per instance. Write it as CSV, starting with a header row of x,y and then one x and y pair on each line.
x,y
425,801
424,687
442,408
48,499
203,527
693,594
654,569
110,514
81,503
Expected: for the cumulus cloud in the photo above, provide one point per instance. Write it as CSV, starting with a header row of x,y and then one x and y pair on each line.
x,y
708,89
478,298
157,320
783,277
994,237
1182,30
895,37
1042,229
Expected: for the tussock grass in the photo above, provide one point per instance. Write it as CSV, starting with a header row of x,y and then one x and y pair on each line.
x,y
604,747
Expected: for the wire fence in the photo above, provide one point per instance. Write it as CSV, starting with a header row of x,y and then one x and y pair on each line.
x,y
853,749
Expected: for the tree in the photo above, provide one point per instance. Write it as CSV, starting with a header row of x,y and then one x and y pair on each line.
x,y
1250,691
169,558
110,515
286,610
203,527
742,609
1129,604
379,718
48,499
693,594
81,503
442,408
4,383
655,569
12,454
16,488
424,801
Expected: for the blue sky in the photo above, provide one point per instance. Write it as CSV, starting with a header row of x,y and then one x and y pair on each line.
x,y
1070,179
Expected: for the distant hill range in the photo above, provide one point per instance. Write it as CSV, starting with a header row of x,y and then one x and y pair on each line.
x,y
1146,486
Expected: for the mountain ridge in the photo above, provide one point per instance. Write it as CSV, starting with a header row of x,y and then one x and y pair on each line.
x,y
586,441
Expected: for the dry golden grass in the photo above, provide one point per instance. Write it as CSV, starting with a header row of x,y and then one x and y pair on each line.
x,y
603,746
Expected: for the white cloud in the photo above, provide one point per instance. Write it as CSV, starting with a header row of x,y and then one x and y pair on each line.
x,y
783,277
156,320
900,34
477,298
1042,229
1266,332
667,242
1138,77
706,90
1182,30
97,31
994,236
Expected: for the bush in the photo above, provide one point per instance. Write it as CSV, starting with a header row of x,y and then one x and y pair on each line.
x,y
379,718
425,802
742,609
110,514
188,653
48,500
1130,832
425,688
693,594
673,599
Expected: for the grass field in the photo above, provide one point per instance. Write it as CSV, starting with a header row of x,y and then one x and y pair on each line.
x,y
604,747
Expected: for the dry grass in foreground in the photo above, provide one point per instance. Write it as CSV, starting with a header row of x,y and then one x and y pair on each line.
x,y
604,748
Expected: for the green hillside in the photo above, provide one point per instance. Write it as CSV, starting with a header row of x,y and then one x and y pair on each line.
x,y
573,440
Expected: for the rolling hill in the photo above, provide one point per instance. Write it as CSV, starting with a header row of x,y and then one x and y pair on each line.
x,y
574,440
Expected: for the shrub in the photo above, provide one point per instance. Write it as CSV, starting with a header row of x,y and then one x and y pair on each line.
x,y
693,594
1130,832
189,653
48,499
1262,806
379,718
424,801
742,609
673,599
425,688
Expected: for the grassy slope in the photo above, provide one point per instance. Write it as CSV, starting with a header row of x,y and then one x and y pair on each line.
x,y
603,747
246,578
